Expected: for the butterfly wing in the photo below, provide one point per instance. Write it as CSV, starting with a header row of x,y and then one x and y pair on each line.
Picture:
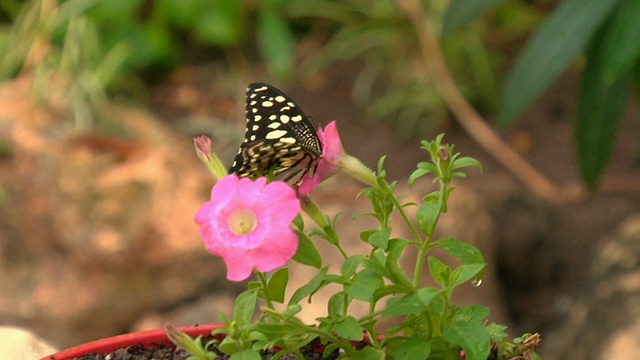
x,y
280,141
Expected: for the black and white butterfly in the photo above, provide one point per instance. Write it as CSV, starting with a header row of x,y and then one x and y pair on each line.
x,y
280,141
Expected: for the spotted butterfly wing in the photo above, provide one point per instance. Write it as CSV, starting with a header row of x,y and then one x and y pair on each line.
x,y
279,142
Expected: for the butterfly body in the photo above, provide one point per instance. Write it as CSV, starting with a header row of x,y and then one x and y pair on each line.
x,y
280,141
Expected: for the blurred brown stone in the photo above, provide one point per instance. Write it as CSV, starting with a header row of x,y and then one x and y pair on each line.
x,y
604,321
97,230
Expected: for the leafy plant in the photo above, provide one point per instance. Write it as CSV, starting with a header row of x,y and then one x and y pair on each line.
x,y
429,324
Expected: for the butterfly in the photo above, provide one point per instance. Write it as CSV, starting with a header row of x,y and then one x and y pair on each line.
x,y
280,141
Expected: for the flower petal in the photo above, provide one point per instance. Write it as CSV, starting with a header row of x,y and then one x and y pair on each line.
x,y
268,245
332,153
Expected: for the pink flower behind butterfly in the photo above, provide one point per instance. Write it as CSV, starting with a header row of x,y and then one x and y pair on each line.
x,y
333,159
332,153
247,223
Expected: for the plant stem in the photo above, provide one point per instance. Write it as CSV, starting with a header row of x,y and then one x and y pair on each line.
x,y
403,214
313,211
265,289
424,246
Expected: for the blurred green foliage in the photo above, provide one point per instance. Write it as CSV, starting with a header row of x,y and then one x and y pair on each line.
x,y
100,45
129,37
606,34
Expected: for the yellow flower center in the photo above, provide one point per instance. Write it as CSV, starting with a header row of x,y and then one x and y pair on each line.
x,y
242,221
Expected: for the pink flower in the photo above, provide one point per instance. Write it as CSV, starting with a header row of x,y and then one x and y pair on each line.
x,y
247,223
332,154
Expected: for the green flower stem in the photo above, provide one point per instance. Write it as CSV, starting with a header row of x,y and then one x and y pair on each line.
x,y
216,167
265,289
405,218
313,211
341,250
424,246
370,316
208,157
310,329
357,170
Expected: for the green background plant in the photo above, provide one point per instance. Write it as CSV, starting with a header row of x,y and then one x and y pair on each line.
x,y
99,45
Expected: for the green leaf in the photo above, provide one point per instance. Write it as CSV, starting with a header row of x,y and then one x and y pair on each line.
x,y
331,235
117,12
377,263
461,12
329,349
220,23
364,235
620,47
497,332
423,169
563,36
602,99
348,328
411,303
298,222
291,311
416,174
465,252
418,347
311,287
466,162
336,304
351,264
464,273
246,355
307,254
636,77
439,271
182,340
369,353
388,290
278,284
395,273
245,306
597,125
380,238
475,313
471,336
427,216
364,285
276,43
183,14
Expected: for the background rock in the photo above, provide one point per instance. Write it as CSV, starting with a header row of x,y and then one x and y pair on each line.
x,y
98,231
604,321
21,344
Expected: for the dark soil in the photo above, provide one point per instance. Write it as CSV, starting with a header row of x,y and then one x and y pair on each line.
x,y
140,353
312,351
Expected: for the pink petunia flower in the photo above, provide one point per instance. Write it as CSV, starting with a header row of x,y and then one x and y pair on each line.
x,y
247,223
334,158
332,153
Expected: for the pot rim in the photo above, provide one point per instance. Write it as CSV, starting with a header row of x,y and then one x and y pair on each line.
x,y
147,338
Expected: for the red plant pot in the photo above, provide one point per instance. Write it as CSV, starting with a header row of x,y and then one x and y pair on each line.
x,y
147,339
